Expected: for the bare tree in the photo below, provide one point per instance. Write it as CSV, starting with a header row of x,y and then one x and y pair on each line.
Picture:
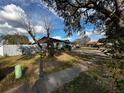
x,y
48,26
29,27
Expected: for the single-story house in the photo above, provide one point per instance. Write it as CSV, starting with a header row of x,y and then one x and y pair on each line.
x,y
43,41
93,44
13,50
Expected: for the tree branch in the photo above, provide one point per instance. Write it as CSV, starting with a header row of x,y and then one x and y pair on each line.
x,y
118,5
87,4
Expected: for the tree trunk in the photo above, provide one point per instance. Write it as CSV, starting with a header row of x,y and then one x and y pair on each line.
x,y
50,46
41,63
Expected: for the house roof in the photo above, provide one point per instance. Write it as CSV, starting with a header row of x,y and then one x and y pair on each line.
x,y
94,43
45,39
91,42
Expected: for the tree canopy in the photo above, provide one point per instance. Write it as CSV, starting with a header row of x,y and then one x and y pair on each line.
x,y
15,39
107,15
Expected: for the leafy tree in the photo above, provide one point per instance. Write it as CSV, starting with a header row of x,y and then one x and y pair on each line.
x,y
15,39
107,15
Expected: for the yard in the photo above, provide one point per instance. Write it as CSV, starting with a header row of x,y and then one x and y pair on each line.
x,y
30,66
105,75
100,77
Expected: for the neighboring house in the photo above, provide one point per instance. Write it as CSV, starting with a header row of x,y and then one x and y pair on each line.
x,y
13,50
93,44
1,50
43,41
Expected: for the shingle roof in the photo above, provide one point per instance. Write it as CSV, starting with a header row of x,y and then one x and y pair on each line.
x,y
45,39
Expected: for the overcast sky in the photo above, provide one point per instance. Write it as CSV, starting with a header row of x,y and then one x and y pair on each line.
x,y
12,13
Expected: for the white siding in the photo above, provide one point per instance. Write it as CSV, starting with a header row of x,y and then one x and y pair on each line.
x,y
13,50
1,51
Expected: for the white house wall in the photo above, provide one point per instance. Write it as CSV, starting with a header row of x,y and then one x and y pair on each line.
x,y
13,50
1,51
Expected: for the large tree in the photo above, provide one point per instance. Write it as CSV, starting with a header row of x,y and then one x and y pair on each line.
x,y
15,39
107,15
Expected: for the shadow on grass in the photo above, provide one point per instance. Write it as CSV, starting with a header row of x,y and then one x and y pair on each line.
x,y
51,64
9,81
5,71
1,58
95,58
27,57
82,84
3,64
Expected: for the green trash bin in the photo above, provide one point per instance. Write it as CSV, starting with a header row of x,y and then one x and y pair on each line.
x,y
18,71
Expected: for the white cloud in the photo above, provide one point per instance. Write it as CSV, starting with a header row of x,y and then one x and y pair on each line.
x,y
21,30
57,37
95,35
6,25
51,9
89,33
12,20
12,12
60,38
8,29
68,38
39,29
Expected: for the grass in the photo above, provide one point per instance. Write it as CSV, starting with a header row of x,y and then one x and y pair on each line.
x,y
59,62
31,63
10,61
65,57
88,48
32,59
85,83
103,76
90,81
95,80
